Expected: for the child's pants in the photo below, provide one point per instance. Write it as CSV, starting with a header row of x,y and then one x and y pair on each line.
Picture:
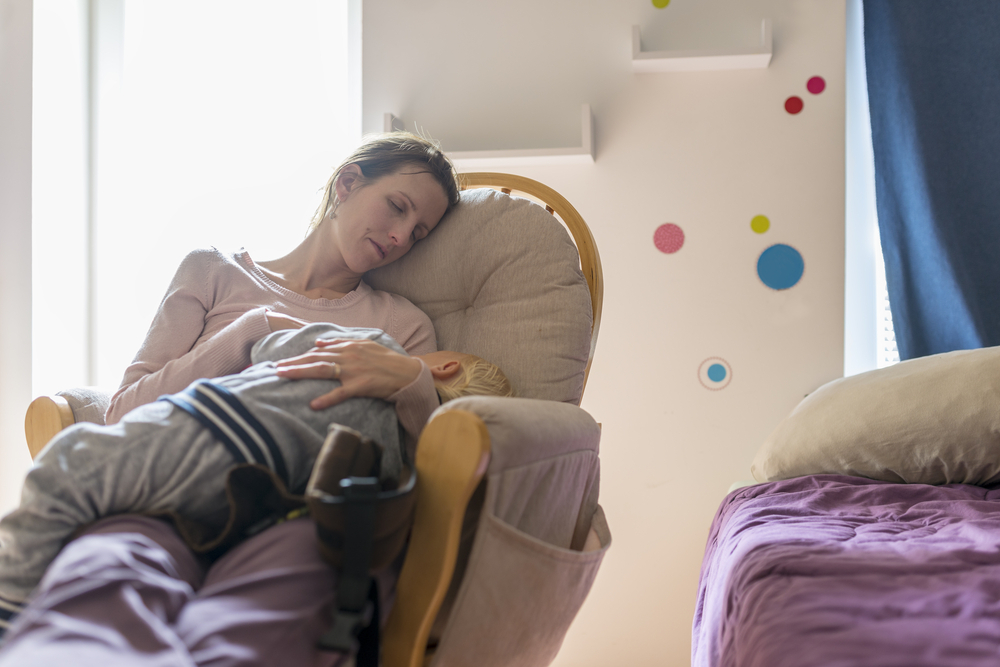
x,y
158,457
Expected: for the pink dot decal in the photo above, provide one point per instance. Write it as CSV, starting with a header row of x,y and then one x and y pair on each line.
x,y
793,104
668,238
816,85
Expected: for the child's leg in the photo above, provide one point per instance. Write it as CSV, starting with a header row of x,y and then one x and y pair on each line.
x,y
110,598
156,458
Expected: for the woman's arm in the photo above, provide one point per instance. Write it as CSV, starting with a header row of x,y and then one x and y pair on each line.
x,y
167,361
366,368
367,362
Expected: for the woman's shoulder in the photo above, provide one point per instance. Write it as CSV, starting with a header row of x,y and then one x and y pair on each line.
x,y
407,323
397,302
210,260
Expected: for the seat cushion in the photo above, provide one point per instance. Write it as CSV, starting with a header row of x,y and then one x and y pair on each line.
x,y
500,278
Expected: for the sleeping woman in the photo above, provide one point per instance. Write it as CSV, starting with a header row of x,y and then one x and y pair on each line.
x,y
267,600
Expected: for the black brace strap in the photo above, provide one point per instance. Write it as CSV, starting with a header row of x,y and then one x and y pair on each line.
x,y
362,523
356,617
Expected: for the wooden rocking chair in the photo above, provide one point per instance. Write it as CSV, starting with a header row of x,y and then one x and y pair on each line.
x,y
508,534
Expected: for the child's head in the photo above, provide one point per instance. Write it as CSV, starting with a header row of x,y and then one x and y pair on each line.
x,y
457,374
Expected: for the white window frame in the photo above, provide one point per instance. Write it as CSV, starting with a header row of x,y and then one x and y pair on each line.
x,y
869,340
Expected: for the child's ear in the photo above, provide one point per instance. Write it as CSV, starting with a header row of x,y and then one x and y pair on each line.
x,y
446,371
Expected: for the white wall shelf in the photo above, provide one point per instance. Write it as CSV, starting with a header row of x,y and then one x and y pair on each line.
x,y
702,59
584,154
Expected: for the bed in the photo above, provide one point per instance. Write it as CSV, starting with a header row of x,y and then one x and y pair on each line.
x,y
873,537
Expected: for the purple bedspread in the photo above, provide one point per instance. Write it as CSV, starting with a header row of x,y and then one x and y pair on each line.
x,y
829,570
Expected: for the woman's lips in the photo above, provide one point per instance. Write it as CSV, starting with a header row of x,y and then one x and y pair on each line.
x,y
379,249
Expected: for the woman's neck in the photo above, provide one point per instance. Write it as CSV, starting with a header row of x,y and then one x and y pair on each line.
x,y
309,271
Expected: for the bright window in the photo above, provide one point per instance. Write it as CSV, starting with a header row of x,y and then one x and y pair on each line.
x,y
888,353
205,122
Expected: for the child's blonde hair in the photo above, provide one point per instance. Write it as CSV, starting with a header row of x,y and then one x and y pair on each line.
x,y
478,378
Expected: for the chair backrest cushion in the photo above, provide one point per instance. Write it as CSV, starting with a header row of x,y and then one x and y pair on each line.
x,y
500,278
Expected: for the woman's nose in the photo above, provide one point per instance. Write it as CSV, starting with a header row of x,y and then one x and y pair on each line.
x,y
400,233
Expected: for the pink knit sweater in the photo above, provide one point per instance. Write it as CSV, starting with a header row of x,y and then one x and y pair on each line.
x,y
215,310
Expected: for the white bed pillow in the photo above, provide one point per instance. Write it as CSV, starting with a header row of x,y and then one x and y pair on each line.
x,y
932,420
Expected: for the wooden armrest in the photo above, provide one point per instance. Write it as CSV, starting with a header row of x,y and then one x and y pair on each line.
x,y
451,459
46,416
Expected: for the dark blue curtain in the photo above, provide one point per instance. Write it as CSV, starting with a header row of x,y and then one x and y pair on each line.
x,y
934,93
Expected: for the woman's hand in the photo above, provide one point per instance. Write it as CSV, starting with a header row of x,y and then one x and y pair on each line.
x,y
363,367
279,321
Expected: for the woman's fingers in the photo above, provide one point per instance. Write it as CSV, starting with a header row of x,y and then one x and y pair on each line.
x,y
311,357
329,399
329,342
321,370
351,387
364,368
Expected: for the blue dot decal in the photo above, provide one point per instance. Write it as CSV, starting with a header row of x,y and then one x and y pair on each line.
x,y
780,266
717,373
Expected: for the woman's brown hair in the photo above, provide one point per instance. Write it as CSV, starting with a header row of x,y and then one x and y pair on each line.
x,y
383,154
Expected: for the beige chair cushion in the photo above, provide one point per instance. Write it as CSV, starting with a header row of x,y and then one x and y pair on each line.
x,y
523,548
932,420
88,403
500,278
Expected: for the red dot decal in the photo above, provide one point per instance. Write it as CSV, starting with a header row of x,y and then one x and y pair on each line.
x,y
668,238
793,104
816,85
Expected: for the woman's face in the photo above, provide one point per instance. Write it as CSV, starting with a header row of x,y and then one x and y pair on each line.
x,y
378,222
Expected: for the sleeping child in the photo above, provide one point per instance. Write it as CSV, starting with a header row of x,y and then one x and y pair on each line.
x,y
173,455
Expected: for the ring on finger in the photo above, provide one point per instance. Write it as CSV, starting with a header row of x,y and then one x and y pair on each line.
x,y
336,371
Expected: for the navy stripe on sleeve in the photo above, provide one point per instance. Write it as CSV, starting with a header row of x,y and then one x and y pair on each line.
x,y
220,411
231,445
249,424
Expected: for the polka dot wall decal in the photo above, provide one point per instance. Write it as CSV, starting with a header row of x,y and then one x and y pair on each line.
x,y
780,266
793,104
668,238
816,85
660,4
760,224
715,373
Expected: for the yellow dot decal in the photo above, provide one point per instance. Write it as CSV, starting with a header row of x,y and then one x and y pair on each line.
x,y
760,224
660,4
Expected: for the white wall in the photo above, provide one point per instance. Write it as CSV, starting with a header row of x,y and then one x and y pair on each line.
x,y
706,151
15,244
